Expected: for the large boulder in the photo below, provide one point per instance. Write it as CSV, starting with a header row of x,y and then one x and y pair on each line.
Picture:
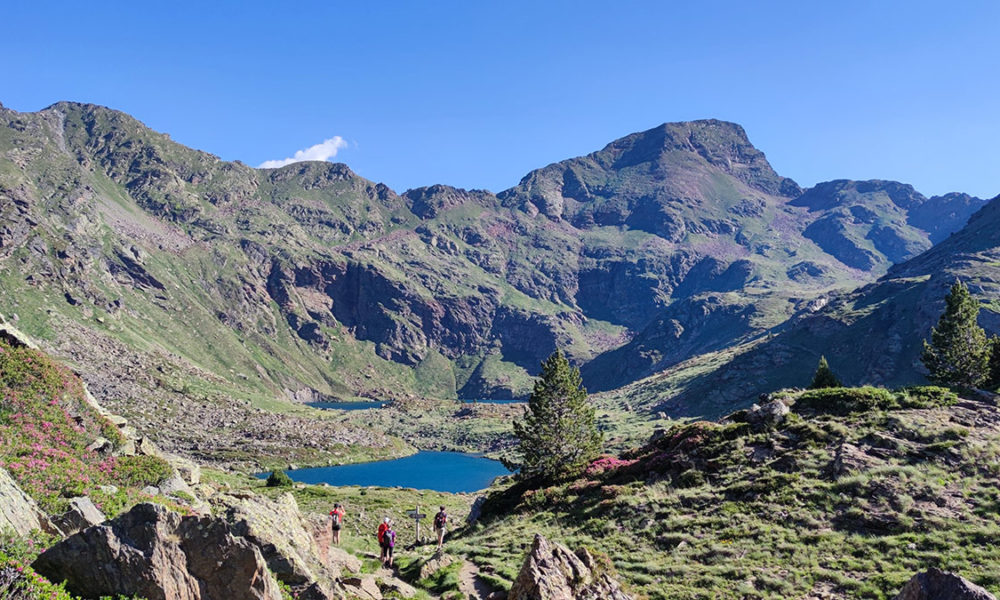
x,y
158,554
18,511
278,529
935,584
552,572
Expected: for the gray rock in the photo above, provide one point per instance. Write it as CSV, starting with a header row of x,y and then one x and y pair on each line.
x,y
552,572
189,470
362,587
157,554
18,511
434,564
173,484
101,445
771,414
935,584
277,528
127,448
81,514
146,447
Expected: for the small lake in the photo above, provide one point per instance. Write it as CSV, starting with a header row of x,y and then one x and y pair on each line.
x,y
441,471
346,405
490,401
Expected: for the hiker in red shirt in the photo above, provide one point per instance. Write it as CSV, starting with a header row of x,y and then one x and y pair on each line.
x,y
337,521
382,528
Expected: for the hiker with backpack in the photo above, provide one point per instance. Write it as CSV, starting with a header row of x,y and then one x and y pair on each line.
x,y
337,521
440,524
387,541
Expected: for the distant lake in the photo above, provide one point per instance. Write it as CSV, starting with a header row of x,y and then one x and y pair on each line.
x,y
490,401
345,405
441,471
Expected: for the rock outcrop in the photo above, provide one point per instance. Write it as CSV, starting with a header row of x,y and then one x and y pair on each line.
x,y
552,572
935,584
81,514
18,511
277,528
160,555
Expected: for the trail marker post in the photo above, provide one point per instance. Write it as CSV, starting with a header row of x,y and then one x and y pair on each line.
x,y
416,516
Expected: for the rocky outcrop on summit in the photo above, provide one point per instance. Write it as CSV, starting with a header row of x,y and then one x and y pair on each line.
x,y
552,572
158,554
633,180
935,584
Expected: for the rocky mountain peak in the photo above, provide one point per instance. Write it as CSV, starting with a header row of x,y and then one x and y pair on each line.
x,y
672,162
428,202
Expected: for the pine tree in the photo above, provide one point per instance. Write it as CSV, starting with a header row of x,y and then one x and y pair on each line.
x,y
824,377
958,353
558,433
993,380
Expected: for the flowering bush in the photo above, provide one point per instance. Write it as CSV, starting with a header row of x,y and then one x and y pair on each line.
x,y
46,425
607,463
19,581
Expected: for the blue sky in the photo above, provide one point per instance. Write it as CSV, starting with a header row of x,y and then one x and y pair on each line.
x,y
476,94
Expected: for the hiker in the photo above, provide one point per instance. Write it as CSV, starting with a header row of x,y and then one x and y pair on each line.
x,y
388,543
382,528
336,521
440,523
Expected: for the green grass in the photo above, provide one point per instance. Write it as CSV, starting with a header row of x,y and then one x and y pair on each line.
x,y
726,511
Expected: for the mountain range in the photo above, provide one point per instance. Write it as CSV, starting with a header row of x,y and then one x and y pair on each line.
x,y
309,281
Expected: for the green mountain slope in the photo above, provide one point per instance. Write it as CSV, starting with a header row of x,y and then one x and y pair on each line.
x,y
308,281
871,335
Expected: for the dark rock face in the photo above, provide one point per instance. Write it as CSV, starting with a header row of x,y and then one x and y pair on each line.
x,y
552,572
935,584
81,514
160,555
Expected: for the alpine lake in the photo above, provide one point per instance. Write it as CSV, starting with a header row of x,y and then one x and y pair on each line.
x,y
453,472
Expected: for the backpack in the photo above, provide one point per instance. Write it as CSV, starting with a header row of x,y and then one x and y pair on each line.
x,y
439,520
389,538
336,517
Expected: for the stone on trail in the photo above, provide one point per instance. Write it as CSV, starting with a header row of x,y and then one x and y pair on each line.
x,y
552,572
935,584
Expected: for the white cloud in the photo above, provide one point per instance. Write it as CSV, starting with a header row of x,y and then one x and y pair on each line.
x,y
324,151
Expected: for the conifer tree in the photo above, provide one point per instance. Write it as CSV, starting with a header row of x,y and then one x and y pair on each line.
x,y
958,352
824,377
993,379
558,433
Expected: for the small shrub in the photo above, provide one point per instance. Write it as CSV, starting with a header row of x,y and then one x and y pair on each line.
x,y
927,396
844,401
691,478
279,478
139,471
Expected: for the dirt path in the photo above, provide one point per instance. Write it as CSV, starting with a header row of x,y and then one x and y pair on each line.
x,y
470,584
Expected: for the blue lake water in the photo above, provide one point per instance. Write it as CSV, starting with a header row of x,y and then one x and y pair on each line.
x,y
442,471
345,405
